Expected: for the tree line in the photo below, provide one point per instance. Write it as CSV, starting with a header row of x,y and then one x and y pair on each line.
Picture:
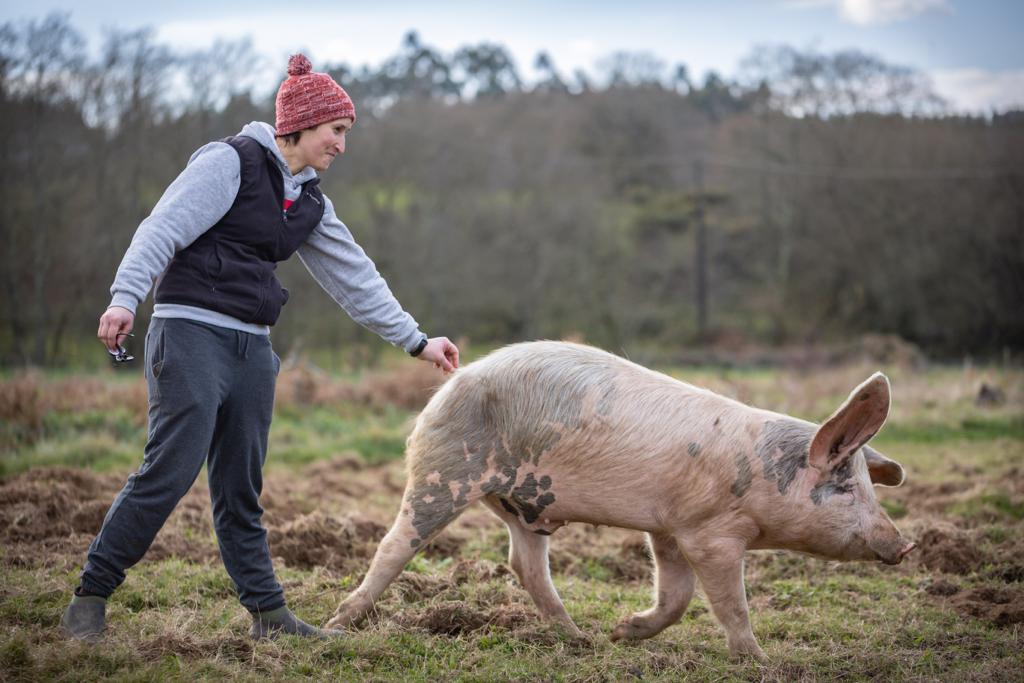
x,y
811,198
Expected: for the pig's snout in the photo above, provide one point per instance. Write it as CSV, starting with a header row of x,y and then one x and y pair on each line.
x,y
887,544
898,557
906,550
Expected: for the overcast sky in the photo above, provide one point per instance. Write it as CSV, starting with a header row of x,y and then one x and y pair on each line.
x,y
972,49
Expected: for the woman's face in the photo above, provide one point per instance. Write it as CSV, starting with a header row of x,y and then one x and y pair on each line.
x,y
318,146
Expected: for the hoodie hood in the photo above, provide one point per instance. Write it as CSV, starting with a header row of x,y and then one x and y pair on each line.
x,y
263,133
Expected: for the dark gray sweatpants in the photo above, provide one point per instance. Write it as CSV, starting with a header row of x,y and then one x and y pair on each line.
x,y
211,398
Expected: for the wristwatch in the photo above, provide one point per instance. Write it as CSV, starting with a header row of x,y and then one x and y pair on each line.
x,y
419,347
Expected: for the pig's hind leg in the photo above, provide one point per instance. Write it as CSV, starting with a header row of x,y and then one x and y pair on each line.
x,y
528,555
395,550
674,582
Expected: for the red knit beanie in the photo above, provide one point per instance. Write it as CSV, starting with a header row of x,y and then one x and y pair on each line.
x,y
307,99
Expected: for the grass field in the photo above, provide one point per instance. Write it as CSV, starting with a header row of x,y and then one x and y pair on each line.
x,y
953,611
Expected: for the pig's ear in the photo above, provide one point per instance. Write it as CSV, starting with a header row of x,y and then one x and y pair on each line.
x,y
881,469
850,427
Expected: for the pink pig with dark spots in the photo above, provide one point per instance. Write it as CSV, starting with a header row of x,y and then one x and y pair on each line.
x,y
548,433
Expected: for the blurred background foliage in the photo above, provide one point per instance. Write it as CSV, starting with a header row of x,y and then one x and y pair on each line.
x,y
816,198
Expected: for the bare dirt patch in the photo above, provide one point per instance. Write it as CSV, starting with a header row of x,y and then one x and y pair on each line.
x,y
175,642
450,618
454,617
949,550
322,540
942,587
50,503
48,512
996,604
413,587
477,571
447,544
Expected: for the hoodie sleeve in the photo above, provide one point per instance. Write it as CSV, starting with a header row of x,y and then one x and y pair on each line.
x,y
191,205
345,272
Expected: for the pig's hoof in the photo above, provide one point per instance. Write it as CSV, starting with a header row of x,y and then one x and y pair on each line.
x,y
573,632
628,630
749,652
342,620
336,623
349,613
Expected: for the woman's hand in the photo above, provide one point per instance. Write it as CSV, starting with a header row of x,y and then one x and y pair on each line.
x,y
116,322
442,353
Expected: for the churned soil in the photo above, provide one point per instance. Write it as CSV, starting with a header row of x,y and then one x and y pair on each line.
x,y
999,605
332,515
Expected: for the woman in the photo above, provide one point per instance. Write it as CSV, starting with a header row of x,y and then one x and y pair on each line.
x,y
240,206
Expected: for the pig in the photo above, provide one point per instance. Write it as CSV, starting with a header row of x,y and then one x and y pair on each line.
x,y
548,433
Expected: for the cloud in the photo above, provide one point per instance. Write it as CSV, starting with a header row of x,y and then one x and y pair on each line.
x,y
866,12
322,41
980,90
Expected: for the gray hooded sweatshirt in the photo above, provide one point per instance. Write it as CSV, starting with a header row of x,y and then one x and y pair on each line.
x,y
201,195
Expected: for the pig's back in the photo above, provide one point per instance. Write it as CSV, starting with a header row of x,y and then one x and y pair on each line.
x,y
536,394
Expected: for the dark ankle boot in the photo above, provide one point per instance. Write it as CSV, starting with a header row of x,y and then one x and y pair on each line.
x,y
281,621
85,618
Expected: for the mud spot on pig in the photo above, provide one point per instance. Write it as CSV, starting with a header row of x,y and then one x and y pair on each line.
x,y
744,476
783,447
997,605
693,449
527,501
441,493
838,482
499,440
528,489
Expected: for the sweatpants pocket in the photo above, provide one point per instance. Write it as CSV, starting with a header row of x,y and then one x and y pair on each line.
x,y
156,348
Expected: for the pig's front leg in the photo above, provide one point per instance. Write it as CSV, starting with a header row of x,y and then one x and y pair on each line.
x,y
719,566
673,587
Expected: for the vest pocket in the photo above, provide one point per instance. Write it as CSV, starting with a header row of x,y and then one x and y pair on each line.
x,y
272,298
237,282
214,264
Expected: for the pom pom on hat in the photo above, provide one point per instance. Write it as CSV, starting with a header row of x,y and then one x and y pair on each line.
x,y
308,98
299,65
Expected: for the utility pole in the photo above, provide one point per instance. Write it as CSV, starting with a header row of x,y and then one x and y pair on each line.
x,y
700,252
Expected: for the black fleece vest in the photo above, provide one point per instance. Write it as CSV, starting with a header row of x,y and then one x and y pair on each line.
x,y
230,268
